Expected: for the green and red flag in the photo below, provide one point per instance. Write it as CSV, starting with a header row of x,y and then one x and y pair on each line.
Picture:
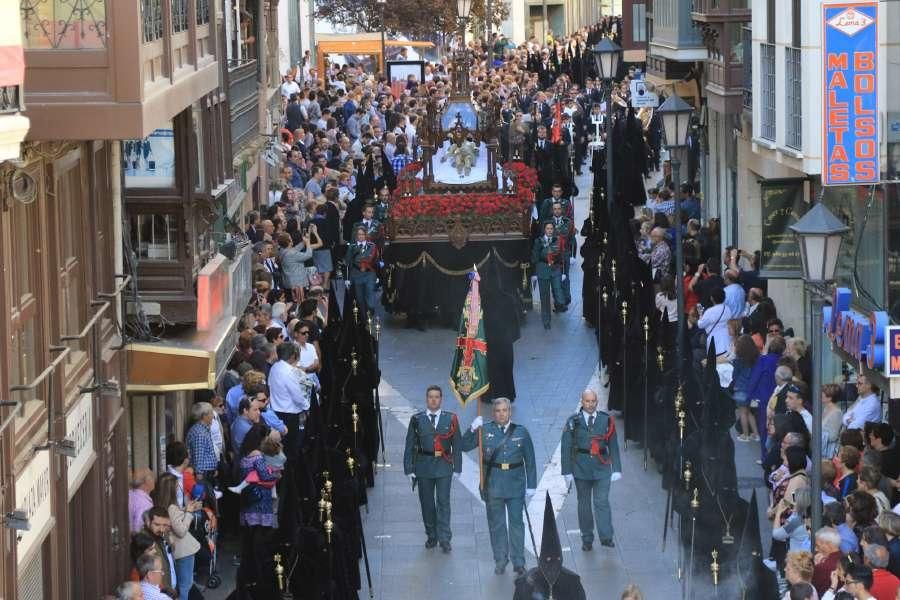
x,y
468,372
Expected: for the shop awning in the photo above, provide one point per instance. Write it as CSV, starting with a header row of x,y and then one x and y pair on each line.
x,y
192,361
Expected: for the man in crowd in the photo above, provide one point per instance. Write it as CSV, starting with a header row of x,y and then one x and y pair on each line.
x,y
867,406
139,501
199,442
289,395
158,526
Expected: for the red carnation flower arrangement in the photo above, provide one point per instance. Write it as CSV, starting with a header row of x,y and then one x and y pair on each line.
x,y
481,204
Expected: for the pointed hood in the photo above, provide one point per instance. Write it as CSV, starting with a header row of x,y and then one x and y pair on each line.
x,y
550,560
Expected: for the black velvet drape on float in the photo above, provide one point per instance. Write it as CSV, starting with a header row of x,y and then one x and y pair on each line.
x,y
430,278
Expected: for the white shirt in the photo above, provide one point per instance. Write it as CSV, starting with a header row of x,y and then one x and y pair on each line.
x,y
288,88
437,416
866,408
288,392
215,430
308,356
807,418
715,322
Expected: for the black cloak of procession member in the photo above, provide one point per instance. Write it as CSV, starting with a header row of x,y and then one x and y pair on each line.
x,y
375,174
549,579
502,313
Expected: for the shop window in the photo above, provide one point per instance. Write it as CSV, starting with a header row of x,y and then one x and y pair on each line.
x,y
861,263
63,24
155,236
150,162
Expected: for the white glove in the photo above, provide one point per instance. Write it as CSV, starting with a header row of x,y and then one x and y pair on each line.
x,y
529,494
412,476
564,277
569,479
533,280
615,476
455,475
347,283
478,422
571,260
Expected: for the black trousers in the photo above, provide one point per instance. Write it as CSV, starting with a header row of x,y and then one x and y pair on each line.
x,y
293,441
257,570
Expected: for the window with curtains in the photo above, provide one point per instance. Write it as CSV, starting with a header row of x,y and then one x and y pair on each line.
x,y
767,91
63,24
793,91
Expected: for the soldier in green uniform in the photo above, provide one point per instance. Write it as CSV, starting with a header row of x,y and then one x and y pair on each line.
x,y
381,206
548,267
556,195
510,478
433,454
590,456
565,234
360,260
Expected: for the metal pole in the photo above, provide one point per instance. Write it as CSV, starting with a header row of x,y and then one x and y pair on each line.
x,y
679,266
383,57
816,338
488,25
609,147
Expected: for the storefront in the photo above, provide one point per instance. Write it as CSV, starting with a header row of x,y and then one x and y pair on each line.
x,y
163,376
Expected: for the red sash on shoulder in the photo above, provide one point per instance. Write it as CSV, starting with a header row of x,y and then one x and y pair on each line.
x,y
596,449
440,437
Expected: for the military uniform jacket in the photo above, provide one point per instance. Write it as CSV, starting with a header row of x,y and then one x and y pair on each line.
x,y
433,452
590,453
546,257
360,260
565,232
547,208
373,229
512,480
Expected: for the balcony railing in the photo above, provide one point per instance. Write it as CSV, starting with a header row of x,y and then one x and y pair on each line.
x,y
152,17
10,100
720,10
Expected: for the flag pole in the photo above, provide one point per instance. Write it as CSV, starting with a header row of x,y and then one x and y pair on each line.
x,y
480,437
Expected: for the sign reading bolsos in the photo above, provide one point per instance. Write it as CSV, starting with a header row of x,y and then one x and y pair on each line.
x,y
859,335
850,101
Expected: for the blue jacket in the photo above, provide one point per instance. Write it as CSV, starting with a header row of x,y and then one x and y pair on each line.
x,y
741,379
762,378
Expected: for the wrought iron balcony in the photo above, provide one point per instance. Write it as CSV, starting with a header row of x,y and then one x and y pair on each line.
x,y
719,11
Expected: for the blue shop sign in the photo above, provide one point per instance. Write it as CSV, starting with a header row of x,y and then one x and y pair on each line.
x,y
860,335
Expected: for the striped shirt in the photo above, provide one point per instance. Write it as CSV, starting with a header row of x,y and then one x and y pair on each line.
x,y
399,162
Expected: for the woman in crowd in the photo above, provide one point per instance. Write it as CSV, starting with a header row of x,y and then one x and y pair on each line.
x,y
257,516
846,462
862,510
831,419
745,357
293,263
761,385
867,481
795,530
783,498
184,545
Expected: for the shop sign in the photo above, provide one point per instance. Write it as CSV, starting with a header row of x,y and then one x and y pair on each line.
x,y
80,429
892,351
860,335
223,289
782,206
33,489
850,101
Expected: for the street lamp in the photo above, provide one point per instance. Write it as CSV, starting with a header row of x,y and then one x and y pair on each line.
x,y
607,56
381,6
462,12
676,117
819,234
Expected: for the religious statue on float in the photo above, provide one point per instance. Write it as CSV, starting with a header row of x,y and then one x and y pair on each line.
x,y
462,151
